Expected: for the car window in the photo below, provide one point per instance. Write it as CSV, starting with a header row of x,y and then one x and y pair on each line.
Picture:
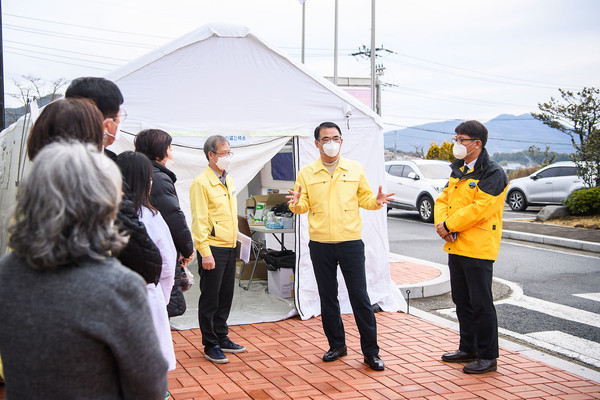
x,y
407,170
568,171
435,171
549,173
396,170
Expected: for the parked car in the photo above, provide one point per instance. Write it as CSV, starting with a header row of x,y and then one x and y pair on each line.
x,y
417,184
549,185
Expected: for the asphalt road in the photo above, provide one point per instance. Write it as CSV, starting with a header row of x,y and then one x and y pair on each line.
x,y
559,307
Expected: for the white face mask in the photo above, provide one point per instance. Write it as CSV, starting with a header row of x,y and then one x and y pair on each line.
x,y
223,162
460,150
331,148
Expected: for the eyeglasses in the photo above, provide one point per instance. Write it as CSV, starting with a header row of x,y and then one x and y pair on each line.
x,y
230,154
460,141
122,116
327,139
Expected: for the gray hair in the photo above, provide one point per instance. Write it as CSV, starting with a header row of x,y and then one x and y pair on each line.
x,y
211,144
66,208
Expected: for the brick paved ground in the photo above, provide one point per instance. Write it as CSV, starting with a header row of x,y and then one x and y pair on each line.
x,y
284,362
406,272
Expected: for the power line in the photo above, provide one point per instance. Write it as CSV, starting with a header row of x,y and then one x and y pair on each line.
x,y
77,37
67,57
87,27
59,62
452,98
452,134
528,81
65,51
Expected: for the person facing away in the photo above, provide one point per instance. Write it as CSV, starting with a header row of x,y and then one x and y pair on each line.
x,y
75,322
214,229
156,145
140,254
332,189
468,216
137,171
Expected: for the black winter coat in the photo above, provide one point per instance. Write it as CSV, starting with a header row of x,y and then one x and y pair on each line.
x,y
140,254
164,198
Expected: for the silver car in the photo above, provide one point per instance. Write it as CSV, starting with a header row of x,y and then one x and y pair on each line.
x,y
549,185
417,184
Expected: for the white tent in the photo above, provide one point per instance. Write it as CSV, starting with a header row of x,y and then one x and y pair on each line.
x,y
224,80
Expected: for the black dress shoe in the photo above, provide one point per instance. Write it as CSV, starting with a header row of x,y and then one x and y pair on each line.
x,y
375,363
480,366
459,356
334,354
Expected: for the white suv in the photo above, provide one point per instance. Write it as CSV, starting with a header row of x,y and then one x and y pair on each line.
x,y
417,184
550,185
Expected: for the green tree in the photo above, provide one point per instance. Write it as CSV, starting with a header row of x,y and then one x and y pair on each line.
x,y
434,152
577,115
541,158
446,152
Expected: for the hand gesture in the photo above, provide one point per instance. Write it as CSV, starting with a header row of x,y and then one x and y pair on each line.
x,y
294,197
384,198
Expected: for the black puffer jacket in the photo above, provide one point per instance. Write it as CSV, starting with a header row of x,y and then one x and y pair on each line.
x,y
164,198
140,254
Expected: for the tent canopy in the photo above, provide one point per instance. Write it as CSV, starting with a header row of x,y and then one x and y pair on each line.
x,y
222,79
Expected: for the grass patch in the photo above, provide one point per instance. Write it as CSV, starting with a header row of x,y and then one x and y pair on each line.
x,y
584,221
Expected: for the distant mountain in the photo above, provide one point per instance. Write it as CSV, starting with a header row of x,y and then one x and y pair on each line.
x,y
507,134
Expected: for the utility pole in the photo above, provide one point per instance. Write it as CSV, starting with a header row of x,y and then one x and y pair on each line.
x,y
2,122
335,45
303,27
378,72
373,106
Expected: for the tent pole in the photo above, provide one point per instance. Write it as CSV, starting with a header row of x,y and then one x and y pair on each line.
x,y
335,45
373,106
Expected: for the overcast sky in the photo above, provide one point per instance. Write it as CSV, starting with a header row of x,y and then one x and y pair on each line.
x,y
460,59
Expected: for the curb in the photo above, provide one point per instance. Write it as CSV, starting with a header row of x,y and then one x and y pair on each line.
x,y
552,240
433,287
566,365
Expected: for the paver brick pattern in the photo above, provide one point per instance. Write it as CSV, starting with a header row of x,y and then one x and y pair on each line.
x,y
406,272
283,361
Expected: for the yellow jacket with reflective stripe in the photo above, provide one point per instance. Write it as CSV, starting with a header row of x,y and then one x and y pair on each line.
x,y
332,202
472,205
214,212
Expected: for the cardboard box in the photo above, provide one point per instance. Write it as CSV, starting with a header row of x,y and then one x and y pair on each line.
x,y
270,200
281,282
259,274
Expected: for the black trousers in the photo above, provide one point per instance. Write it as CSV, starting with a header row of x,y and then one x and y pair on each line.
x,y
351,258
471,284
216,295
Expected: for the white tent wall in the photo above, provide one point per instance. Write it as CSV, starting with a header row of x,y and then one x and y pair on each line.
x,y
13,166
224,80
363,145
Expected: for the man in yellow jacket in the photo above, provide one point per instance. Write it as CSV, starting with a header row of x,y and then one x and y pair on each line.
x,y
214,229
468,216
331,190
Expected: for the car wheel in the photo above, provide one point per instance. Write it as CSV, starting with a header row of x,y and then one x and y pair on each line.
x,y
516,201
425,208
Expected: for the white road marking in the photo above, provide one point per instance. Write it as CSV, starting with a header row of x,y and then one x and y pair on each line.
x,y
591,350
589,296
557,310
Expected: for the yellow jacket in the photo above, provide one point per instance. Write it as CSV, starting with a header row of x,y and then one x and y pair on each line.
x,y
214,212
333,202
472,205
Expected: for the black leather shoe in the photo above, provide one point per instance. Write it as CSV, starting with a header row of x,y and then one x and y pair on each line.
x,y
375,363
480,366
334,354
459,356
